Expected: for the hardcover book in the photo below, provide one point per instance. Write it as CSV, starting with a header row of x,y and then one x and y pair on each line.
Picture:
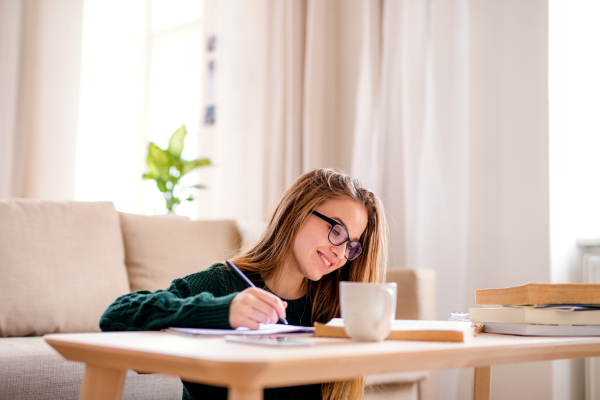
x,y
541,330
532,315
541,293
433,331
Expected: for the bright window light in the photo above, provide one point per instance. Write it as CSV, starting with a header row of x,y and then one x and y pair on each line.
x,y
574,104
169,13
175,87
141,80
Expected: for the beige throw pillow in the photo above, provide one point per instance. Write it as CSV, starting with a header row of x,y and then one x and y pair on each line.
x,y
161,248
61,265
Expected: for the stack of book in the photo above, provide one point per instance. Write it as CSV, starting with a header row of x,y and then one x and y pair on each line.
x,y
540,309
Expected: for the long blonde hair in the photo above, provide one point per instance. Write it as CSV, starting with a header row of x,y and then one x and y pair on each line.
x,y
293,207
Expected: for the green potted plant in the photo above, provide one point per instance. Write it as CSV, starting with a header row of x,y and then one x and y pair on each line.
x,y
167,168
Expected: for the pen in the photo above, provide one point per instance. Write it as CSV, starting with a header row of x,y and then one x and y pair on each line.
x,y
247,281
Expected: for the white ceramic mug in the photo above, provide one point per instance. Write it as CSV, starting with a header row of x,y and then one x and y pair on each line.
x,y
368,309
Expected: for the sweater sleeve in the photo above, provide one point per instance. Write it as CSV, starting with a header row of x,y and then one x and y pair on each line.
x,y
199,300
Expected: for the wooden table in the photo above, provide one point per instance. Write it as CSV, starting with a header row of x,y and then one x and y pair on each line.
x,y
247,369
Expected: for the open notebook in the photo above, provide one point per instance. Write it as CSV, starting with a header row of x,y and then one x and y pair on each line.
x,y
265,329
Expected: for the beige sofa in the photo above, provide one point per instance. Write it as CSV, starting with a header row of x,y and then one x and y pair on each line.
x,y
63,263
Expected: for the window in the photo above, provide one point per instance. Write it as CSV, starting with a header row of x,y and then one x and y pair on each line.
x,y
574,101
140,81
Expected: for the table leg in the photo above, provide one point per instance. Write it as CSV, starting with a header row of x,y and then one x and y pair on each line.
x,y
482,383
244,393
102,383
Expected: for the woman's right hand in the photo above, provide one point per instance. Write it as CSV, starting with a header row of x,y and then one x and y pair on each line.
x,y
254,306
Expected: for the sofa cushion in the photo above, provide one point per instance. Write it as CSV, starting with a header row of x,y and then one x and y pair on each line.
x,y
31,369
161,248
61,265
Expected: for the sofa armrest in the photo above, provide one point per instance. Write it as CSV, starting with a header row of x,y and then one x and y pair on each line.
x,y
416,292
416,300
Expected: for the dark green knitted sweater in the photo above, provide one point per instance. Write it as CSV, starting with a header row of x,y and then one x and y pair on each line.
x,y
200,300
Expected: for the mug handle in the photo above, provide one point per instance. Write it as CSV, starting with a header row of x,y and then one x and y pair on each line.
x,y
387,307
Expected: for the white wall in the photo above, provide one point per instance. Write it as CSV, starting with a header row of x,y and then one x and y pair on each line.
x,y
574,84
574,132
509,195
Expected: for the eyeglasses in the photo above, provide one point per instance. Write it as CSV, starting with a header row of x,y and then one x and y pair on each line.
x,y
339,235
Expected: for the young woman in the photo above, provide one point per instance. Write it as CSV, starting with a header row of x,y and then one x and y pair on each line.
x,y
325,229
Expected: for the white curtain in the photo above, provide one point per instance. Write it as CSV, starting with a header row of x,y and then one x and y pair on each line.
x,y
412,132
451,131
509,196
40,45
286,44
305,61
412,137
287,72
10,21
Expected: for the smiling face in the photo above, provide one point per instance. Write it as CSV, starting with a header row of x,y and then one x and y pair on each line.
x,y
313,255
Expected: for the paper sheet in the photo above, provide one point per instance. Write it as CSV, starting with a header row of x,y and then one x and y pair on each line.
x,y
265,329
417,325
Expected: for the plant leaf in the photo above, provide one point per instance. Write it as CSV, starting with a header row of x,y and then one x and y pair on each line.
x,y
158,162
147,176
176,142
197,186
189,199
162,185
188,166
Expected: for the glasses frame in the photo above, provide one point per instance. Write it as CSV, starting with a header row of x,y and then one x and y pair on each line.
x,y
333,223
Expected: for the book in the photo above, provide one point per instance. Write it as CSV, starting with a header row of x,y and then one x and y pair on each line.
x,y
265,329
541,293
541,330
434,331
535,315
